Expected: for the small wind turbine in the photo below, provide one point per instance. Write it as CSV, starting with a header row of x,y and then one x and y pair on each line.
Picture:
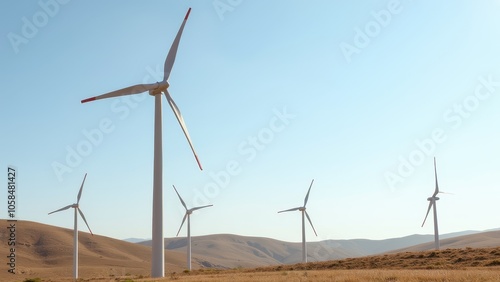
x,y
303,210
75,236
156,89
188,214
432,203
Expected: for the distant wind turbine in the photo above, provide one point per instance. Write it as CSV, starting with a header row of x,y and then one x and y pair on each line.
x,y
432,203
188,215
303,210
156,89
75,231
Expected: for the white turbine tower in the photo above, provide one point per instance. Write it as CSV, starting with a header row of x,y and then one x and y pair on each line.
x,y
75,236
432,203
156,89
188,215
303,210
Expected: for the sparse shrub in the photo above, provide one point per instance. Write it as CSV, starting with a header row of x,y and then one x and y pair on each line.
x,y
480,258
174,276
33,280
460,259
493,263
495,252
186,271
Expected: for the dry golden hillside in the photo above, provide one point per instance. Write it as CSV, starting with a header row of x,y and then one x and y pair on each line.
x,y
479,240
467,265
47,252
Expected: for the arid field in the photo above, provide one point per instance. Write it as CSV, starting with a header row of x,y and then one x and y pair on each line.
x,y
381,275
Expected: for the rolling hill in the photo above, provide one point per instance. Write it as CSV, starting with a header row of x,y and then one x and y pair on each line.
x,y
235,251
47,251
477,240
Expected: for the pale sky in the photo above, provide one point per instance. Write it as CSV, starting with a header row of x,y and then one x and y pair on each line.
x,y
359,96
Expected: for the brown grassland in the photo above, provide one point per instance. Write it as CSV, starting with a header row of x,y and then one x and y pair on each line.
x,y
479,264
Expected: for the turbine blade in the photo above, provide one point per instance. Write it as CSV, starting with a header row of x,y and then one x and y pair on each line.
x,y
184,219
182,201
308,218
428,210
61,209
435,174
197,208
307,196
178,115
294,209
136,89
81,188
169,62
83,217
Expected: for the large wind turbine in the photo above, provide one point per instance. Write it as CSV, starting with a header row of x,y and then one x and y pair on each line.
x,y
303,210
188,215
432,203
75,231
156,89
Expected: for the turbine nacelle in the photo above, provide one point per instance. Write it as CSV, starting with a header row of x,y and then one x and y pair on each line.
x,y
302,209
161,86
432,198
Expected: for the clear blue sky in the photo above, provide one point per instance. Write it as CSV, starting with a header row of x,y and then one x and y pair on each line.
x,y
281,91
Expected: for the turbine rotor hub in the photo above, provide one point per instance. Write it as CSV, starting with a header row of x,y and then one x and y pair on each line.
x,y
160,87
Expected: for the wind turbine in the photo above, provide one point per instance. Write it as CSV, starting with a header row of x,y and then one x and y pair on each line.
x,y
432,203
75,231
156,89
188,215
303,210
